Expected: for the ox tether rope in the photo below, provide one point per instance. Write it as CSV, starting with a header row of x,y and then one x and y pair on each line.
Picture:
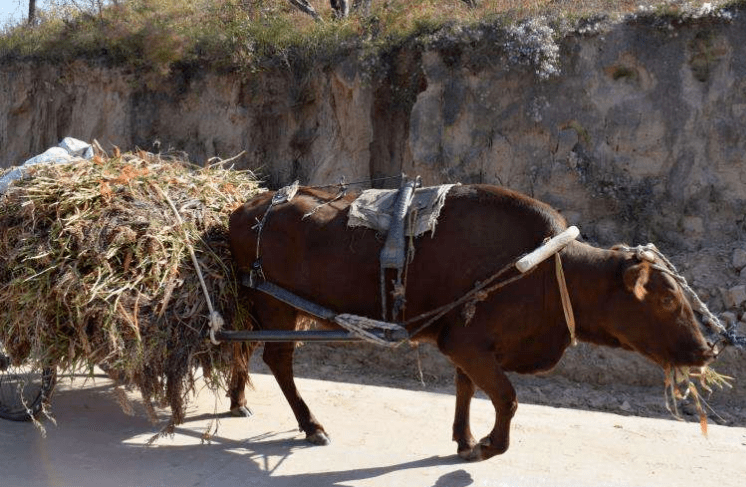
x,y
526,264
216,320
648,253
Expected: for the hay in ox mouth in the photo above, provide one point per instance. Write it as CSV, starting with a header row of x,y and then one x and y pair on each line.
x,y
679,386
95,270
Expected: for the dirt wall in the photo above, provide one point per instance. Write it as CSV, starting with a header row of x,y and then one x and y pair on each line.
x,y
634,130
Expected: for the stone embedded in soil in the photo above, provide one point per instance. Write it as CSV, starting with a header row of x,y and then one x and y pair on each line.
x,y
693,226
735,296
739,259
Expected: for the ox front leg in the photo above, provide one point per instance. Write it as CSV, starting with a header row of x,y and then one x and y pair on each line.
x,y
279,358
483,370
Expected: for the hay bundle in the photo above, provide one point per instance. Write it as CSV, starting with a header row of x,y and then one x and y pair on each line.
x,y
95,269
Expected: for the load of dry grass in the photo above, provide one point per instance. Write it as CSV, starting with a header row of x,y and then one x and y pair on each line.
x,y
95,270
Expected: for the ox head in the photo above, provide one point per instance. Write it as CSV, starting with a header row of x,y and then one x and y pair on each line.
x,y
655,314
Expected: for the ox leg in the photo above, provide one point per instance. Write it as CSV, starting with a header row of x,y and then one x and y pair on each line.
x,y
461,427
485,372
239,378
273,314
279,358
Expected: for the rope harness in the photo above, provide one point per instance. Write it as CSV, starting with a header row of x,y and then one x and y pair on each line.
x,y
394,256
649,253
565,296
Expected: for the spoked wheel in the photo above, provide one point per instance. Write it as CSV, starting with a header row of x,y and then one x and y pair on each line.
x,y
24,389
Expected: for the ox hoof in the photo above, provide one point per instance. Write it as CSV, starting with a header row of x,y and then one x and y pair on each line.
x,y
319,438
465,450
482,451
241,412
473,454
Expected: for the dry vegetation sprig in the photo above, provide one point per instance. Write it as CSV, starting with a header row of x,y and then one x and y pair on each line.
x,y
95,270
680,386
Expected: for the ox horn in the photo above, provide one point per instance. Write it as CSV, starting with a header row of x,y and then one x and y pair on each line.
x,y
642,252
647,255
647,252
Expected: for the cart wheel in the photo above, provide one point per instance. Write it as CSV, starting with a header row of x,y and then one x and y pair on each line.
x,y
24,389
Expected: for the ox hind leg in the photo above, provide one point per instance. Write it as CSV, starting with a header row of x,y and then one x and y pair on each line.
x,y
272,313
239,379
480,368
279,358
461,428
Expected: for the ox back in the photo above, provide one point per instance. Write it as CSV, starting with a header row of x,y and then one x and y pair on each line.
x,y
480,230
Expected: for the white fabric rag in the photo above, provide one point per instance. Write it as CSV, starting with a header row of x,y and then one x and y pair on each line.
x,y
373,208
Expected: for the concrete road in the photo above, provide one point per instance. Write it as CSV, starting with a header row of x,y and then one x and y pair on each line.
x,y
380,437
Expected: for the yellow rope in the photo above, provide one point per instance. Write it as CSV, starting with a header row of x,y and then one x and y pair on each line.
x,y
565,295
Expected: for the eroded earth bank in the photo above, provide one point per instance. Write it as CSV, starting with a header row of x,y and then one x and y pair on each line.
x,y
635,130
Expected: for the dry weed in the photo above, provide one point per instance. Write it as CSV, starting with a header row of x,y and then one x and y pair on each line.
x,y
94,270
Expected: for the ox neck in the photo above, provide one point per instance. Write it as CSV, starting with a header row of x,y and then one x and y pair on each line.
x,y
592,276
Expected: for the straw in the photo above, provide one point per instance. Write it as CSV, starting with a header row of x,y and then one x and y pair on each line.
x,y
94,270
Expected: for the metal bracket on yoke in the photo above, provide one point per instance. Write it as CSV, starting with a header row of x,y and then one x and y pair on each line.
x,y
393,253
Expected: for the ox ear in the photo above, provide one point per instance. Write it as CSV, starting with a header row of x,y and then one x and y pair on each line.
x,y
635,279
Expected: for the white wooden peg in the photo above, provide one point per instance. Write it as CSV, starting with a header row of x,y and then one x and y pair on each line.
x,y
553,245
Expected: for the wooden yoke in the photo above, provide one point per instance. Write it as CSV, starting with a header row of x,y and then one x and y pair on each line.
x,y
551,247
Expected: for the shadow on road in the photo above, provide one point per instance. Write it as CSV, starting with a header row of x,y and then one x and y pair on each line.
x,y
95,444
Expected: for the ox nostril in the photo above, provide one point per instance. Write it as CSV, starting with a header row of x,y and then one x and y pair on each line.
x,y
711,354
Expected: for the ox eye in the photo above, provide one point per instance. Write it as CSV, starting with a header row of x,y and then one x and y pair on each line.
x,y
668,302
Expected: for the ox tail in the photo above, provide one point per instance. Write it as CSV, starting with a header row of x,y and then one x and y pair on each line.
x,y
239,377
236,355
241,361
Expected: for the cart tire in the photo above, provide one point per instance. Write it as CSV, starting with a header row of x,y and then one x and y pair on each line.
x,y
24,390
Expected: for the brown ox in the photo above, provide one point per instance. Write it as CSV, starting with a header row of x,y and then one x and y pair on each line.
x,y
618,300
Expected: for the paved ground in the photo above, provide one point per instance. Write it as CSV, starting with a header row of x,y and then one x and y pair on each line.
x,y
380,437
